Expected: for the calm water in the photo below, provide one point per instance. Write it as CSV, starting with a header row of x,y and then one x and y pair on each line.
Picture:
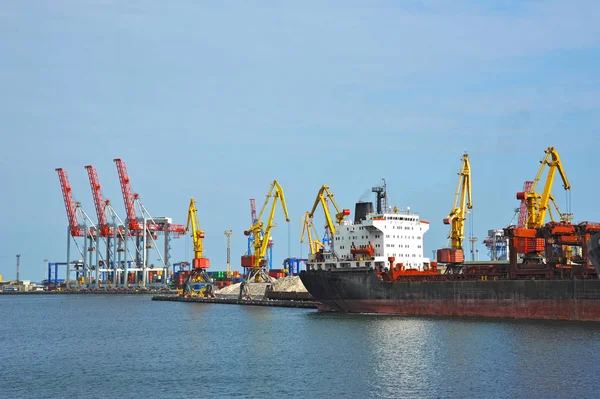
x,y
129,346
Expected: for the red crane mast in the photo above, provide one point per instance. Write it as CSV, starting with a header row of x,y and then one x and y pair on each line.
x,y
523,209
70,205
99,202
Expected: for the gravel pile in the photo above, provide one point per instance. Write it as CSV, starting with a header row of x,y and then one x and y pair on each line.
x,y
256,289
289,284
229,290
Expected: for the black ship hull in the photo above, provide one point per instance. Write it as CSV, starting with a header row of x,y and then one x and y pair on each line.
x,y
362,291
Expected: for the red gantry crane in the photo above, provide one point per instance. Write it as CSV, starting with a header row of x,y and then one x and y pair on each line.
x,y
76,229
146,227
114,234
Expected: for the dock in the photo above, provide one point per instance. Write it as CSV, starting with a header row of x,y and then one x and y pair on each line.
x,y
249,302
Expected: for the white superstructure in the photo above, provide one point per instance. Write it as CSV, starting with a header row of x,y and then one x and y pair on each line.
x,y
376,240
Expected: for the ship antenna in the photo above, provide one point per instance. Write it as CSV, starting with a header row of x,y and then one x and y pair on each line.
x,y
381,197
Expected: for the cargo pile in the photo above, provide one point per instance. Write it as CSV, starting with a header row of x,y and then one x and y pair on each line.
x,y
289,284
256,290
286,284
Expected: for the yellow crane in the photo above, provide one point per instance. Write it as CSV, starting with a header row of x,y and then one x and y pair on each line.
x,y
462,203
198,274
261,233
322,196
538,205
308,230
454,255
197,236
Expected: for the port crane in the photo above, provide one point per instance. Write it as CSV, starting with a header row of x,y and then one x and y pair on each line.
x,y
198,274
322,197
538,205
86,229
110,234
309,231
529,240
255,262
144,229
456,218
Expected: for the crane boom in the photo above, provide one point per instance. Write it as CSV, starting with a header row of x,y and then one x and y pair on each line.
x,y
197,234
462,203
261,233
538,205
128,195
70,205
321,199
308,230
99,202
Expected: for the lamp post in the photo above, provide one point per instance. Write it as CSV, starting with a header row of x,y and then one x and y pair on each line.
x,y
45,262
18,268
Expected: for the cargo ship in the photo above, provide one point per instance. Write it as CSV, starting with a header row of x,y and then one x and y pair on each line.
x,y
376,265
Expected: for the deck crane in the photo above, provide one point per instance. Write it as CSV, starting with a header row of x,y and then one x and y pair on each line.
x,y
456,218
309,231
538,205
261,233
198,273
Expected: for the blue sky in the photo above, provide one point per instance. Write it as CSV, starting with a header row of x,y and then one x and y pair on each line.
x,y
214,100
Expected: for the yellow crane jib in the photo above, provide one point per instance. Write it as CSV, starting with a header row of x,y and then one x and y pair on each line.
x,y
321,199
538,205
462,203
199,262
309,230
261,231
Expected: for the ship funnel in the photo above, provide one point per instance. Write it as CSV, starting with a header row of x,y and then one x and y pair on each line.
x,y
361,210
